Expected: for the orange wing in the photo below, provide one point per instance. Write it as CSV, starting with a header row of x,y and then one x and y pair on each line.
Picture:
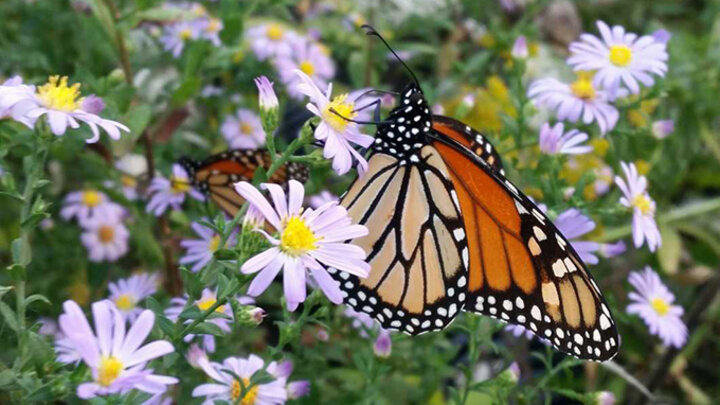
x,y
521,269
470,138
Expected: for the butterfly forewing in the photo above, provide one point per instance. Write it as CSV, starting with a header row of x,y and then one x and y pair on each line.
x,y
470,138
522,270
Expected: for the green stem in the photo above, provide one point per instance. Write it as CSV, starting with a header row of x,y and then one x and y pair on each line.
x,y
681,213
472,355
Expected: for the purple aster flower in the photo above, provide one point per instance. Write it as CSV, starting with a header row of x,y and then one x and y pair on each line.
x,y
519,330
322,198
207,300
661,129
270,40
573,224
200,251
636,197
170,193
12,91
243,130
337,133
308,57
520,48
177,34
553,141
115,357
653,302
65,350
60,103
309,240
295,389
195,355
210,29
105,238
662,36
89,204
619,57
234,374
383,344
127,293
580,99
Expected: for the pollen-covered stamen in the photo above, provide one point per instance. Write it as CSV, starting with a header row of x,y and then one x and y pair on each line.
x,y
91,198
57,95
214,243
106,234
338,112
206,303
109,370
644,204
307,67
250,394
179,185
125,302
660,306
583,87
297,238
275,32
620,55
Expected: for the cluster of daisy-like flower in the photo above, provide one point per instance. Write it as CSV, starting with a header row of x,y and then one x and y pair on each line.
x,y
195,24
104,233
61,104
608,68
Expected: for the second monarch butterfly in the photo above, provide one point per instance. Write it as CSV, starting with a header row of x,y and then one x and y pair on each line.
x,y
216,175
448,232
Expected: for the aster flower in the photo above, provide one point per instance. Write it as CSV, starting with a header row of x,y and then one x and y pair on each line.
x,y
308,240
322,198
106,239
63,107
295,389
11,92
233,375
619,57
195,355
170,193
266,94
662,36
336,132
270,40
573,101
519,330
127,293
243,130
200,251
93,104
636,197
661,129
115,357
210,29
573,224
520,48
309,58
604,398
383,344
176,36
89,204
207,300
653,302
554,141
65,350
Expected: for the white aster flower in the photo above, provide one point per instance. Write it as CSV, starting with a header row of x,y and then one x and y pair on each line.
x,y
89,204
115,357
243,130
106,239
337,133
619,57
307,238
636,197
553,140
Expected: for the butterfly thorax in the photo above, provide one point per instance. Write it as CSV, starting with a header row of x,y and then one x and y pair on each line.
x,y
404,132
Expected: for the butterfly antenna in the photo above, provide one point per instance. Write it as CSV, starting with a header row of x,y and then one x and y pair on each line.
x,y
371,31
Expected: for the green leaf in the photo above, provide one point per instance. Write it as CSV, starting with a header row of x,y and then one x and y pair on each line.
x,y
7,378
207,328
4,290
191,312
670,251
9,316
41,351
21,251
188,88
36,297
227,288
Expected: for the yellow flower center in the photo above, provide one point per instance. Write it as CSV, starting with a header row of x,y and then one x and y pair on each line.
x,y
109,370
57,95
275,32
185,34
179,185
307,67
643,203
660,306
297,238
206,303
246,128
106,234
213,25
250,395
125,302
128,181
91,198
583,87
343,111
620,55
214,243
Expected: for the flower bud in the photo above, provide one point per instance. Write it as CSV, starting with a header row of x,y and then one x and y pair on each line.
x,y
268,104
520,48
663,128
604,398
383,344
297,389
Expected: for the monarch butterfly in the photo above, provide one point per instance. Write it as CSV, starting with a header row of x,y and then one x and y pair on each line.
x,y
216,175
448,232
